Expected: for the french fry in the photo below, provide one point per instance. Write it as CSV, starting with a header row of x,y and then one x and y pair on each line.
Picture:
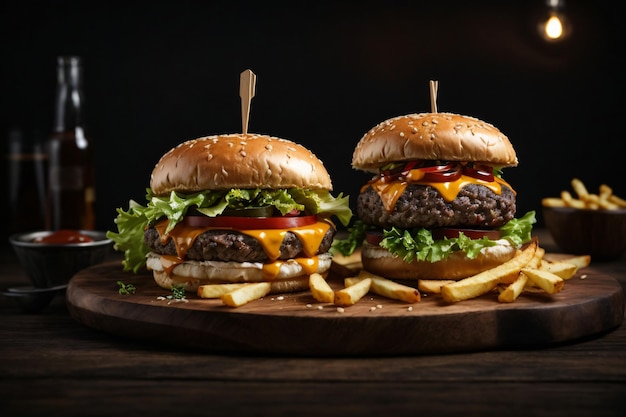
x,y
617,200
320,289
581,261
592,201
571,201
352,294
579,188
486,281
553,202
217,290
432,286
245,294
563,269
605,192
604,200
390,289
547,281
514,289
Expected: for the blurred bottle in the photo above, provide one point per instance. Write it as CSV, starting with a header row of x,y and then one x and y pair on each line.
x,y
26,174
71,177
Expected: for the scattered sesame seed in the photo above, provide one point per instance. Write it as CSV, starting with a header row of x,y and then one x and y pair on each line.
x,y
309,306
320,307
410,308
414,130
372,308
379,306
280,298
340,310
401,134
583,276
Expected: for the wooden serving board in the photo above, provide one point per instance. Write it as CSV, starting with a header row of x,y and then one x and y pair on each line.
x,y
295,324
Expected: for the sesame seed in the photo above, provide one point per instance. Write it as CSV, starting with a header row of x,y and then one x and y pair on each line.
x,y
401,134
340,310
242,153
410,308
372,308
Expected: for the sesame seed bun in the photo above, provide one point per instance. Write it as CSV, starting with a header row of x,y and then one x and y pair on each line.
x,y
433,136
238,161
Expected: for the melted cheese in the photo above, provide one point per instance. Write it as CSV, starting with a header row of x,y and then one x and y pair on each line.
x,y
389,192
309,266
311,237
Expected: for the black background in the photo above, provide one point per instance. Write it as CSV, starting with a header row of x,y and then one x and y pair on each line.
x,y
160,72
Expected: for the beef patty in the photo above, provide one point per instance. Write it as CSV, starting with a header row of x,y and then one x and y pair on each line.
x,y
475,206
228,245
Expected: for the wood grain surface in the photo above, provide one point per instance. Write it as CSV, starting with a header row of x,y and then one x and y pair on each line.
x,y
295,324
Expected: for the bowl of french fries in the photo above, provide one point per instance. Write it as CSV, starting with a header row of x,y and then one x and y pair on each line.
x,y
584,222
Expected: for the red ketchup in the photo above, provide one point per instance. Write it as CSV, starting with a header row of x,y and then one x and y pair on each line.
x,y
61,237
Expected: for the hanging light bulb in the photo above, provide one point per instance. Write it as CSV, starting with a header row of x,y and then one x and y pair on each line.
x,y
554,26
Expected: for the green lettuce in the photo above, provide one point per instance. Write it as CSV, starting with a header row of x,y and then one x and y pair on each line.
x,y
132,223
419,244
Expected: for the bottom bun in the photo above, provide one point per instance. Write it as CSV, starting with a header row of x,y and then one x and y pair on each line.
x,y
380,261
191,274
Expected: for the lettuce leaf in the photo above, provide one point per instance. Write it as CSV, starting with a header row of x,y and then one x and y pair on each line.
x,y
132,223
419,244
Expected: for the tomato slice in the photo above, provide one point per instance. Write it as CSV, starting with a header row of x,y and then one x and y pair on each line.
x,y
450,175
481,172
373,237
250,223
451,232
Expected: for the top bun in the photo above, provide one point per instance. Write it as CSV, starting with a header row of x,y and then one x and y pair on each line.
x,y
433,136
238,161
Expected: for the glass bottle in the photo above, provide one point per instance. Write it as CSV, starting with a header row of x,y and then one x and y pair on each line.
x,y
71,176
26,163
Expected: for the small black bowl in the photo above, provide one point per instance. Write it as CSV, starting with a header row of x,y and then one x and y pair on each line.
x,y
51,265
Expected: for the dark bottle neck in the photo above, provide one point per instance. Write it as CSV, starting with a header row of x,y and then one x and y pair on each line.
x,y
69,97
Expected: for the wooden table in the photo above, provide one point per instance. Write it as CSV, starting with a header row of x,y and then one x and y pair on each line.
x,y
53,365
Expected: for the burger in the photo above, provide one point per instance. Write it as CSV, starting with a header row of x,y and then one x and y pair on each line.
x,y
233,208
437,206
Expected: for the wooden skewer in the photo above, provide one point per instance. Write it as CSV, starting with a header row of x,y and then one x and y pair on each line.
x,y
434,85
247,85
